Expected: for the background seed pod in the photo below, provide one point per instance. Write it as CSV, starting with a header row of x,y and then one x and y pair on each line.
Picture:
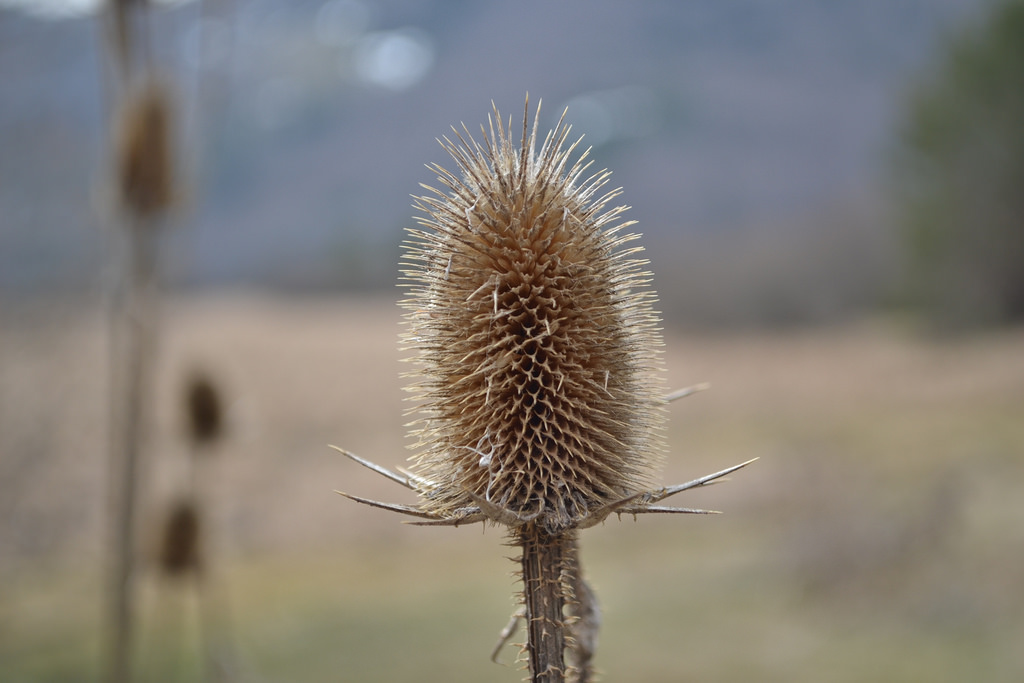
x,y
204,410
180,550
534,330
145,159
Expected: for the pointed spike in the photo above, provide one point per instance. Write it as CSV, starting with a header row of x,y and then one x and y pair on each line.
x,y
393,507
663,509
702,481
459,520
687,391
404,481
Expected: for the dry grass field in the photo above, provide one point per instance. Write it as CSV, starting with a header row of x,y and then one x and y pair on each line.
x,y
879,537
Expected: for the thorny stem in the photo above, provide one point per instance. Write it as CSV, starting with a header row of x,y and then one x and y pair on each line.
x,y
544,594
563,617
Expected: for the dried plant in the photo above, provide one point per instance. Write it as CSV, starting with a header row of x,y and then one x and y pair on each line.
x,y
539,387
180,540
204,411
184,549
143,180
145,160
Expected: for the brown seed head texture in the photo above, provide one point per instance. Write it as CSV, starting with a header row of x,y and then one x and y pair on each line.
x,y
532,325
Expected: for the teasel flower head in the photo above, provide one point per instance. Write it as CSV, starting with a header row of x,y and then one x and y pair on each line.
x,y
203,410
180,549
538,380
145,173
530,318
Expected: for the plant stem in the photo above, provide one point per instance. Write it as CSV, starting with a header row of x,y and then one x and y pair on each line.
x,y
131,371
544,589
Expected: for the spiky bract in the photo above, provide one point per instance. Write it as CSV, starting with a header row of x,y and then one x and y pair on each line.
x,y
532,326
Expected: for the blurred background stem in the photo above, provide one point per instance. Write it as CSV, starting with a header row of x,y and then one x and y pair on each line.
x,y
134,335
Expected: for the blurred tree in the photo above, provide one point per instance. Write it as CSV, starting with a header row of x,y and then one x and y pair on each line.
x,y
961,177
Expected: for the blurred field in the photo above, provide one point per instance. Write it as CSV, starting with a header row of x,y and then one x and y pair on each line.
x,y
880,536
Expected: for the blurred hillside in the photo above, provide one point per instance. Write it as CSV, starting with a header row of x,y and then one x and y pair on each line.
x,y
749,137
961,166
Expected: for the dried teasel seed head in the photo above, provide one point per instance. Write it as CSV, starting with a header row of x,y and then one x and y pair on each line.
x,y
204,410
145,161
532,325
180,539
